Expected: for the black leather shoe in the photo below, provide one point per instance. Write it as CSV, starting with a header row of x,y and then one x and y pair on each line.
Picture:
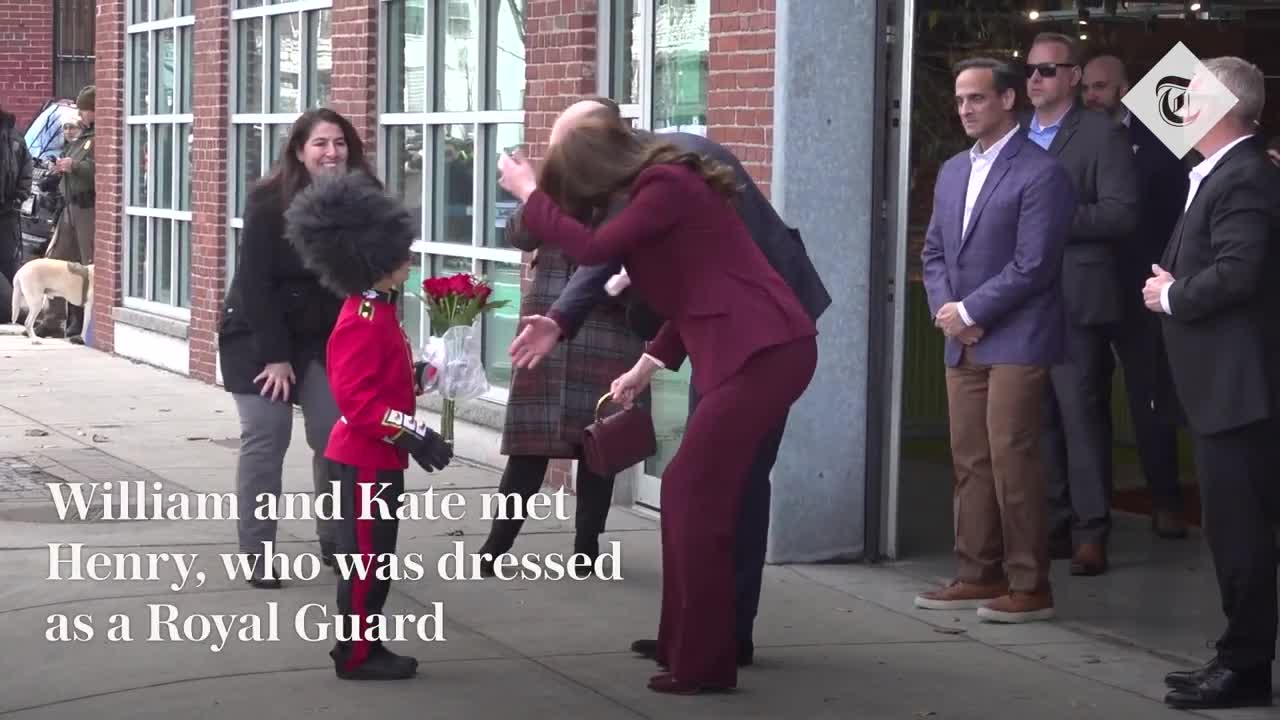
x,y
1190,678
382,664
1222,687
649,649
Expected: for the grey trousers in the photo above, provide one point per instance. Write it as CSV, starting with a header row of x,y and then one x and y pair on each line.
x,y
266,427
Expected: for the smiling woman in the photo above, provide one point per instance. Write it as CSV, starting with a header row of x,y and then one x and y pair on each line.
x,y
275,324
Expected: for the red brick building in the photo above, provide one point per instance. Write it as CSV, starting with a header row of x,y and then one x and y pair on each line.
x,y
46,52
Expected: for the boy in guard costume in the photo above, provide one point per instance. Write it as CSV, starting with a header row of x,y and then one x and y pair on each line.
x,y
356,238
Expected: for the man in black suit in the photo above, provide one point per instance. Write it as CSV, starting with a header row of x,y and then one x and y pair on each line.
x,y
1095,151
1162,188
1216,294
784,249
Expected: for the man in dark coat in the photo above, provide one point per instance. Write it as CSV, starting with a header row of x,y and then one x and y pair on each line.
x,y
1162,188
785,251
15,188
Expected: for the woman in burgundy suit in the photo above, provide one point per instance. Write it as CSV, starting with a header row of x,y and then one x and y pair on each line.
x,y
751,343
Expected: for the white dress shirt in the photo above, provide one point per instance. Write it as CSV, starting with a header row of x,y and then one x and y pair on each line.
x,y
1197,175
980,163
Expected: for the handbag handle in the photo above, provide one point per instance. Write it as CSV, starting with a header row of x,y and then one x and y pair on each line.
x,y
600,404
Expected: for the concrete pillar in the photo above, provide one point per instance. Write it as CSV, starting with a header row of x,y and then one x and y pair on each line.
x,y
823,170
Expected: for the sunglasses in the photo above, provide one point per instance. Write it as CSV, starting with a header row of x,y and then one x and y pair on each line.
x,y
1047,70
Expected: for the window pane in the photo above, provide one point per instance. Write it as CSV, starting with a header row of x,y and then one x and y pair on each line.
x,y
455,171
406,56
411,306
163,165
625,82
240,4
320,79
188,69
162,268
140,103
670,393
279,139
164,9
502,204
249,69
248,161
286,70
137,257
508,84
184,264
458,68
500,325
140,11
138,165
404,167
187,141
681,44
166,80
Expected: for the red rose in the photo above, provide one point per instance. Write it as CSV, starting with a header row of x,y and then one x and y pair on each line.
x,y
483,291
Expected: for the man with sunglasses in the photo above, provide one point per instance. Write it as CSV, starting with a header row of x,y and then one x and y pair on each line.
x,y
1095,151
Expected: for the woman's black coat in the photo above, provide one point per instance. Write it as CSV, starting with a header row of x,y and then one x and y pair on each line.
x,y
276,310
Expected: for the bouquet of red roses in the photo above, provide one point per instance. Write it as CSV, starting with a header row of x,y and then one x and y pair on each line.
x,y
453,353
456,300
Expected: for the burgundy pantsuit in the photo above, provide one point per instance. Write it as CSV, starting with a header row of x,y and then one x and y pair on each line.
x,y
753,350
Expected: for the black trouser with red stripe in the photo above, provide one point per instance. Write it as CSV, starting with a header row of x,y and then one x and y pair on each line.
x,y
368,537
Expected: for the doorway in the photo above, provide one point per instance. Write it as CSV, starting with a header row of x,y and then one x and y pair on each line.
x,y
924,131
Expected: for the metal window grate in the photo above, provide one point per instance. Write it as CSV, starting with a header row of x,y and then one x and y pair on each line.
x,y
73,46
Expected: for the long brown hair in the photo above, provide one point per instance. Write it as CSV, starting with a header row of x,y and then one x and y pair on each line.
x,y
289,175
596,161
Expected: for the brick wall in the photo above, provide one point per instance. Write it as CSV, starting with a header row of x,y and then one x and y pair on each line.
x,y
355,66
26,57
740,95
560,66
209,184
108,158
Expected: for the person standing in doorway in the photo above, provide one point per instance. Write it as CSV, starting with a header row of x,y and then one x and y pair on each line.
x,y
73,238
1218,301
15,188
1162,186
992,273
1078,436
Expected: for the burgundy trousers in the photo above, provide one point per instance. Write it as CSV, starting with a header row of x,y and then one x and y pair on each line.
x,y
701,492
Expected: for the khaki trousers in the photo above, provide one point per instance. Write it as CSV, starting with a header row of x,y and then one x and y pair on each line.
x,y
996,414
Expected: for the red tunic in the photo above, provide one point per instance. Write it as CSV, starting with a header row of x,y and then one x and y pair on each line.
x,y
370,367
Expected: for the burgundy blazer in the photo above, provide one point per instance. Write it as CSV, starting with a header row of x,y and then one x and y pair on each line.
x,y
691,259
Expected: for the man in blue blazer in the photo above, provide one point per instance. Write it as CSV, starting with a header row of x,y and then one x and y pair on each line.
x,y
992,272
1162,190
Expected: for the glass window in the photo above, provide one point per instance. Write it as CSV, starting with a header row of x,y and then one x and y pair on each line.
x,y
457,94
681,43
158,147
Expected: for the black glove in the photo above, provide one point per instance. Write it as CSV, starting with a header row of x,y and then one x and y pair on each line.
x,y
420,377
425,445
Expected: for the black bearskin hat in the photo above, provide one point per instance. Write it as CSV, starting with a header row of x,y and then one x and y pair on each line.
x,y
349,231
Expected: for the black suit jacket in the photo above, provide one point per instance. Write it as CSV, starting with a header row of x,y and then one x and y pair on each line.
x,y
1223,337
781,244
1096,153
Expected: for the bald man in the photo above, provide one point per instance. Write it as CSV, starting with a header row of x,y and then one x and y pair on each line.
x,y
1162,189
784,249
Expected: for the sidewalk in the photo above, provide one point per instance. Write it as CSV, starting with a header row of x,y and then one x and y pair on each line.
x,y
833,641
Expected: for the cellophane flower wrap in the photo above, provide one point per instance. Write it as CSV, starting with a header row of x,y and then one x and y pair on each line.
x,y
454,305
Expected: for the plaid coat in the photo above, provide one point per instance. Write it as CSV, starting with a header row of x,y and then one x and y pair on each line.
x,y
549,405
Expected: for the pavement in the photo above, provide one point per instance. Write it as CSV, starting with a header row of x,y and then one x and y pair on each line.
x,y
833,641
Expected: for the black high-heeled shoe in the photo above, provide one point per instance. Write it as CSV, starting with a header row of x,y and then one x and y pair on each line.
x,y
667,683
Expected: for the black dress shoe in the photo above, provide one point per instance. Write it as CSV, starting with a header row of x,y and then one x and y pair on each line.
x,y
667,683
1223,687
1190,678
649,649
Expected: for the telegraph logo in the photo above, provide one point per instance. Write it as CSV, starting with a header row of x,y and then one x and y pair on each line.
x,y
1179,100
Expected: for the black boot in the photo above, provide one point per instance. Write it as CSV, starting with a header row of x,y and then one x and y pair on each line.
x,y
259,577
381,664
326,556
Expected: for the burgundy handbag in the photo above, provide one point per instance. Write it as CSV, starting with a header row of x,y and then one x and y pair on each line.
x,y
618,441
